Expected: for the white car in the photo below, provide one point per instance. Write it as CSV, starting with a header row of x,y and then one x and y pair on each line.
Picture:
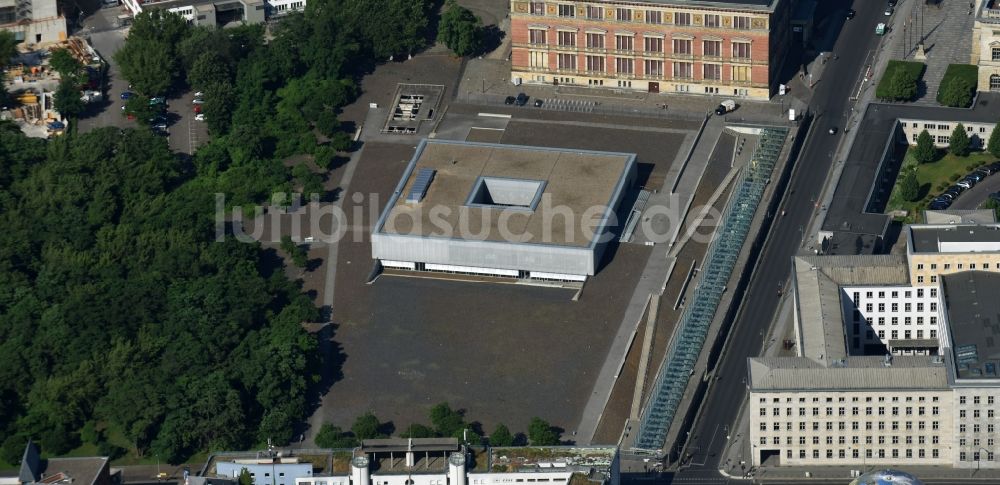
x,y
199,117
199,94
197,101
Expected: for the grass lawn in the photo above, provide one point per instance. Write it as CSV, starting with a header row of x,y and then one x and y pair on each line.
x,y
932,177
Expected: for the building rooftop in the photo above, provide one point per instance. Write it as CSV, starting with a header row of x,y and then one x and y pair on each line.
x,y
755,4
955,216
954,238
818,279
973,320
852,373
76,471
507,193
568,458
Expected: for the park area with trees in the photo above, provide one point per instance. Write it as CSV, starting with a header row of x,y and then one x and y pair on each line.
x,y
126,327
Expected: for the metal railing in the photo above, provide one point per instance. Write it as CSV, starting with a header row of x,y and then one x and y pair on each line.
x,y
689,338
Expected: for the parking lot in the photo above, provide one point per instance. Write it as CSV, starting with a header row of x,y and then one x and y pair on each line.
x,y
185,134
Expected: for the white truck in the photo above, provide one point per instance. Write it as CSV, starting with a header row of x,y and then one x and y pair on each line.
x,y
725,107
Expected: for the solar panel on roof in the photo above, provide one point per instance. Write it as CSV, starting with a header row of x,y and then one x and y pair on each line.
x,y
420,185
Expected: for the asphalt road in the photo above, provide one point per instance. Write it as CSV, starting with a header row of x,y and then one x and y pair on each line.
x,y
975,196
830,103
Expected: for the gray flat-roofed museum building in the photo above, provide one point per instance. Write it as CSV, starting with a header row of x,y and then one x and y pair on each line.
x,y
503,210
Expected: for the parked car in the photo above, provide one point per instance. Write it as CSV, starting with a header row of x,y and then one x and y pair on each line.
x,y
522,99
509,100
197,108
126,95
977,176
833,130
989,169
888,11
538,103
968,184
160,126
938,205
946,196
850,13
199,94
197,101
199,117
958,189
995,166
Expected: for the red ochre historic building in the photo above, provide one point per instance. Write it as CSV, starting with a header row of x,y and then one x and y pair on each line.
x,y
724,47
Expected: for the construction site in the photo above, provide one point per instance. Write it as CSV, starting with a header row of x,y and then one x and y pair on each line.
x,y
31,84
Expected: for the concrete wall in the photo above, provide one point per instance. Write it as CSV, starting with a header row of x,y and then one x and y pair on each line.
x,y
42,31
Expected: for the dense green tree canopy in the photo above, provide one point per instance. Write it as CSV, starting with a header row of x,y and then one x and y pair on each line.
x,y
460,30
118,305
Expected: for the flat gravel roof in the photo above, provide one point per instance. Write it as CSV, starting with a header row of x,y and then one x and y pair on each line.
x,y
578,183
974,322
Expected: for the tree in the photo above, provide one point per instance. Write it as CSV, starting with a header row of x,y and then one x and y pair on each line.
x,y
245,478
501,436
147,65
909,186
64,63
446,421
295,251
366,427
958,145
957,93
541,433
902,85
417,430
925,152
68,101
8,48
460,30
993,146
330,436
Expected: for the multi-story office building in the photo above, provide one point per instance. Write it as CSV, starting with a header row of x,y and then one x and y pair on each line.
x,y
33,21
936,249
986,44
727,47
887,371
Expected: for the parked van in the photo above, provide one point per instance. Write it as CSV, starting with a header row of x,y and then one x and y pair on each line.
x,y
725,107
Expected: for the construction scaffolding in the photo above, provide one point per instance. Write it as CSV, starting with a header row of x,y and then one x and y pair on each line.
x,y
689,338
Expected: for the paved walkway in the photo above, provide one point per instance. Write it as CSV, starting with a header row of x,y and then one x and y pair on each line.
x,y
946,30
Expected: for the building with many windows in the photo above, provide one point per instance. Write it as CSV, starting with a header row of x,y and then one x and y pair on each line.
x,y
33,21
727,47
936,249
887,371
986,44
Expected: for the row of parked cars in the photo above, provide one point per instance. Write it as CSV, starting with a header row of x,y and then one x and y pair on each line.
x,y
944,200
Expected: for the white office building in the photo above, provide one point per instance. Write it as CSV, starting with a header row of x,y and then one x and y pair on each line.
x,y
886,372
